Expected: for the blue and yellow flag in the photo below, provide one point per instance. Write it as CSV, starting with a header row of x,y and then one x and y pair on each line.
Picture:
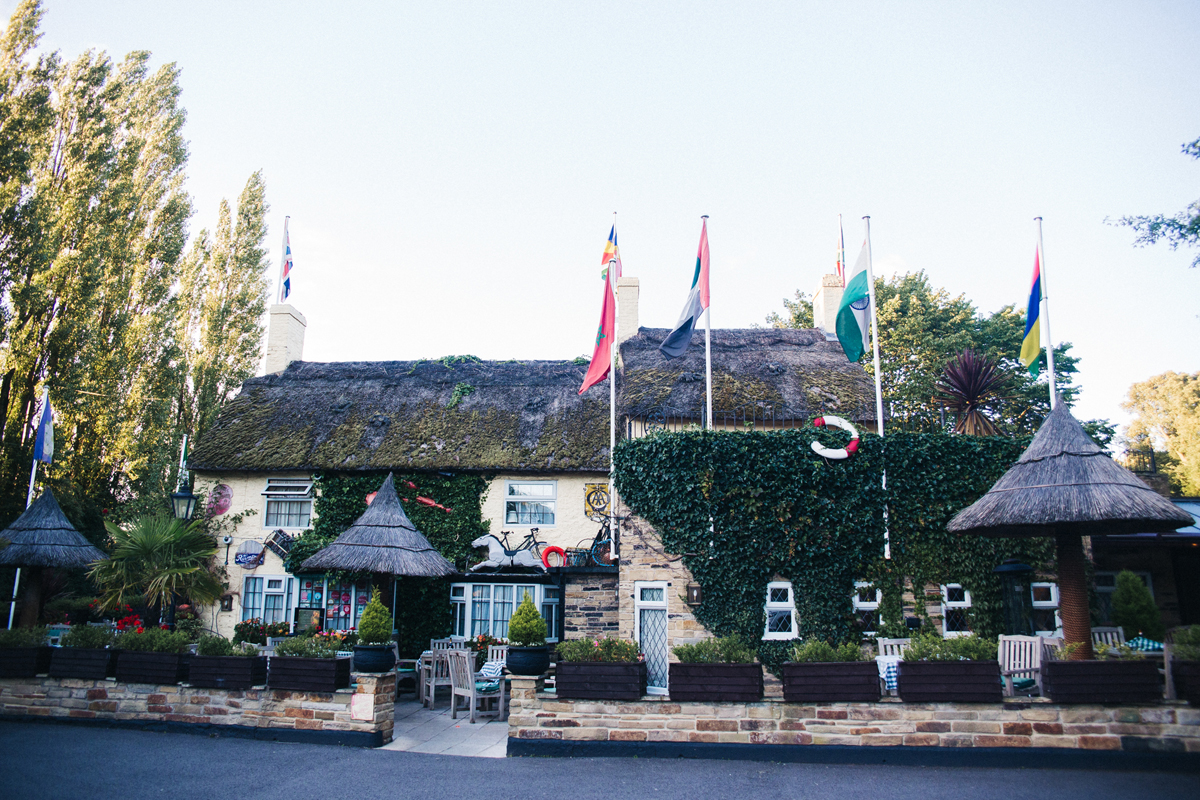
x,y
1031,346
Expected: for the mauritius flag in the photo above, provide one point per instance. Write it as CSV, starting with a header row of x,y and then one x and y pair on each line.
x,y
676,343
1031,346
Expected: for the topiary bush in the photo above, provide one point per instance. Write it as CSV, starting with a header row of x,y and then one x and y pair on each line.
x,y
527,628
375,624
725,650
815,650
1133,608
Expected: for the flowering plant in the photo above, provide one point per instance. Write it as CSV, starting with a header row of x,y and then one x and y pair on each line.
x,y
255,631
131,622
479,646
338,640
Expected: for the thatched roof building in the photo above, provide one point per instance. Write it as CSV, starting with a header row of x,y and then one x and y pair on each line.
x,y
43,537
383,541
756,371
1065,483
466,414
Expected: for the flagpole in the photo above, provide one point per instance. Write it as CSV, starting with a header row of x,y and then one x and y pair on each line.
x,y
887,540
1045,315
708,344
28,502
612,406
283,259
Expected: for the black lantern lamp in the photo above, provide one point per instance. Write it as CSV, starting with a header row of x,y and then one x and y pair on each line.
x,y
1014,592
183,502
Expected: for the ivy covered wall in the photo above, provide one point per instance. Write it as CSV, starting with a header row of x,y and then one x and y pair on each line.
x,y
742,508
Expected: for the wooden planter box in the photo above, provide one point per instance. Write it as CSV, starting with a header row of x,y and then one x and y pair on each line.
x,y
831,682
600,680
731,683
950,682
80,662
1187,680
134,666
308,674
25,662
227,672
1102,681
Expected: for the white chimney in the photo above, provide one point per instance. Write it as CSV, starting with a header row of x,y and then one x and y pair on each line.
x,y
825,305
285,338
628,290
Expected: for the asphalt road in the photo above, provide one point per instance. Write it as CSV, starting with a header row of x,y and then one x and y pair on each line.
x,y
63,761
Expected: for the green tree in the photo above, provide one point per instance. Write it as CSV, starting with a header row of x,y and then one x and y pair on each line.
x,y
1166,411
799,313
1134,610
1181,229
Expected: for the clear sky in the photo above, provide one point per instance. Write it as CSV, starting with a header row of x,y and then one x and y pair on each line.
x,y
451,169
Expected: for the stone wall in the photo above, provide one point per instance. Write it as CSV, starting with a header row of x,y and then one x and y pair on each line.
x,y
366,710
1019,722
590,606
643,559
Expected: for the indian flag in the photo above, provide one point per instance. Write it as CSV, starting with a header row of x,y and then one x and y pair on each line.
x,y
1031,345
852,318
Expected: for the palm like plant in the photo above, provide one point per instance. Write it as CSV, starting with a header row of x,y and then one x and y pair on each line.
x,y
967,384
158,559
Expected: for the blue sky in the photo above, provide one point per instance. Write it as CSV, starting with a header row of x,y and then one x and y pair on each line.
x,y
451,169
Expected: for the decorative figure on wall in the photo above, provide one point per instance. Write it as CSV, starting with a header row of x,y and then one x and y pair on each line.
x,y
527,554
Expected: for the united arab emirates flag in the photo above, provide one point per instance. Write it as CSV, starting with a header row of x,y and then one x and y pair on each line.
x,y
676,344
852,316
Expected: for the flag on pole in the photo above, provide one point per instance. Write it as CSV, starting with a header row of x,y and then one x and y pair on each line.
x,y
852,319
841,253
1031,345
676,343
611,253
43,446
602,355
285,270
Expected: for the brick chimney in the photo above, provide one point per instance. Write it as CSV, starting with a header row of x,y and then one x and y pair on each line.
x,y
285,338
825,305
627,313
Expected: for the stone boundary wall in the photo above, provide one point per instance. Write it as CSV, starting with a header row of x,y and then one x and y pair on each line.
x,y
365,711
1017,723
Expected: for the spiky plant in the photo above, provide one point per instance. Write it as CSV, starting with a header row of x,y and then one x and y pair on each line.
x,y
967,385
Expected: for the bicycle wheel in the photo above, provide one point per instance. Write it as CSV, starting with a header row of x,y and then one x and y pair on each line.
x,y
602,553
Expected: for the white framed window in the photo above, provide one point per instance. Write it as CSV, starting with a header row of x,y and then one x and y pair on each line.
x,y
458,605
781,611
486,608
268,597
340,604
650,632
956,608
1106,584
866,600
1043,596
289,503
530,502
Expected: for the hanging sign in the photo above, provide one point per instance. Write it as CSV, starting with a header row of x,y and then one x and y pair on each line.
x,y
219,500
250,554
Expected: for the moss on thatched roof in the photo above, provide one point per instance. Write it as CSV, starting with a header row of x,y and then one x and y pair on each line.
x,y
1066,483
43,537
382,541
798,370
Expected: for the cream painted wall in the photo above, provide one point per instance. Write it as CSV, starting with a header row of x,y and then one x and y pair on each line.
x,y
571,525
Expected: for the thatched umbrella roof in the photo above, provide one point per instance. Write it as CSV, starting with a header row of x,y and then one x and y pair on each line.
x,y
383,541
42,537
1065,483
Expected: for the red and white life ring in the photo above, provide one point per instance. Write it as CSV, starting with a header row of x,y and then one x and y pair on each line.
x,y
844,452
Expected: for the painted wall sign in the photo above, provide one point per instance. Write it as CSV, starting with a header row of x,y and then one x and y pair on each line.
x,y
220,499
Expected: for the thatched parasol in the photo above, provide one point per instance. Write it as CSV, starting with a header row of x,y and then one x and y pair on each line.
x,y
1064,485
43,537
383,541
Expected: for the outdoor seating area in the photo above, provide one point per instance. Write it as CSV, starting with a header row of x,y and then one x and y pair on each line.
x,y
450,664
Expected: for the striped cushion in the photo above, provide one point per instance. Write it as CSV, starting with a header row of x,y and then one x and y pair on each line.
x,y
492,669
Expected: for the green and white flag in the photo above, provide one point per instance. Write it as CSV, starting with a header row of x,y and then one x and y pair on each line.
x,y
852,317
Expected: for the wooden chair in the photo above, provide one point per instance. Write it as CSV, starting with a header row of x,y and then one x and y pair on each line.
x,y
436,672
1021,661
406,670
893,647
478,693
497,652
1109,636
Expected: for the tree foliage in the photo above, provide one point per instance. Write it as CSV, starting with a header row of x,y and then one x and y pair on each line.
x,y
1166,417
1181,229
1134,610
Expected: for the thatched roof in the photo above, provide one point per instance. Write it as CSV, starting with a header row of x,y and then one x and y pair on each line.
x,y
383,541
42,537
1065,483
754,369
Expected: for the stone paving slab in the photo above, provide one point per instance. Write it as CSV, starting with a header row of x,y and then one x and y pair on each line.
x,y
421,730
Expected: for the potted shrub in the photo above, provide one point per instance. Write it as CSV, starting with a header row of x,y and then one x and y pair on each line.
x,y
528,653
821,673
219,664
1117,675
716,670
151,655
600,669
84,653
374,652
1185,663
962,669
307,664
24,653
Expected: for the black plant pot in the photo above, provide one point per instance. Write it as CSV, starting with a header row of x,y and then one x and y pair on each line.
x,y
528,660
730,683
140,667
308,674
831,682
600,680
373,657
24,662
80,662
1116,681
1187,680
950,682
228,672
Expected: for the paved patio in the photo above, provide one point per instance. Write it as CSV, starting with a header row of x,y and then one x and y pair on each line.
x,y
421,730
